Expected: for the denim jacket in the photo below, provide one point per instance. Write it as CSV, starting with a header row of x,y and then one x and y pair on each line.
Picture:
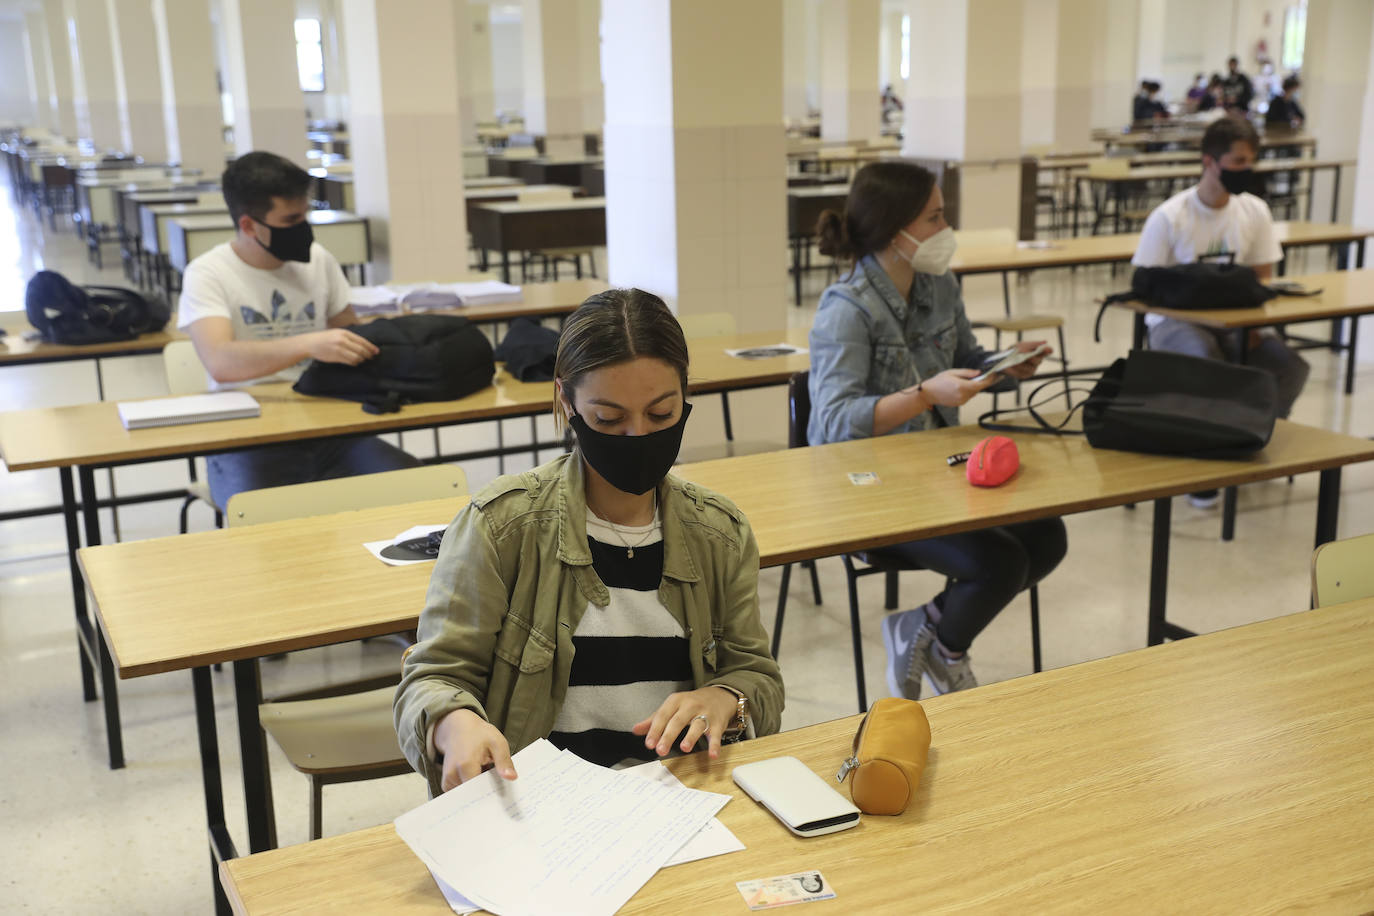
x,y
513,578
868,342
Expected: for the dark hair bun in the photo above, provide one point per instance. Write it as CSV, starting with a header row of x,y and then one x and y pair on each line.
x,y
833,235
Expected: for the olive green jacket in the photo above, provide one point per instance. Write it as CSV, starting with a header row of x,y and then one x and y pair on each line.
x,y
513,578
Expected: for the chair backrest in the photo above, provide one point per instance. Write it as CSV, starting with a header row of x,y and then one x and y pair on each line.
x,y
798,409
1343,571
546,194
521,152
341,494
708,324
1110,165
985,238
183,368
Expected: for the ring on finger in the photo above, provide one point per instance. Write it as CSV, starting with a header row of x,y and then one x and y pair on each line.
x,y
702,718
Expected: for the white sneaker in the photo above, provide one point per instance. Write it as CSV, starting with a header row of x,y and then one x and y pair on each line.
x,y
1204,499
947,675
906,637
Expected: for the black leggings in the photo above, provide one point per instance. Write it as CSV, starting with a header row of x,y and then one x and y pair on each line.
x,y
985,569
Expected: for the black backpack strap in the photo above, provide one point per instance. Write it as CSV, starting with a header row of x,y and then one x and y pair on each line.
x,y
383,403
1102,310
986,421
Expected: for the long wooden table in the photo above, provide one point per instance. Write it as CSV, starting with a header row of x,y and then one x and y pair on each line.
x,y
1225,774
263,604
90,436
1115,182
515,226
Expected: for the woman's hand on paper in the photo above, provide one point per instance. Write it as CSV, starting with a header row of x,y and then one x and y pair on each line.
x,y
470,744
682,711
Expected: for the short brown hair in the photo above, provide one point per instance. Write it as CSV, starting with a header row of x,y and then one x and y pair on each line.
x,y
885,197
613,327
1221,133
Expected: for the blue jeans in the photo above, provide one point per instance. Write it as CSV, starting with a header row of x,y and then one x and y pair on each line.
x,y
301,462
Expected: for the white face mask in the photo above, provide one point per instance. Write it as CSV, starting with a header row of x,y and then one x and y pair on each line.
x,y
934,254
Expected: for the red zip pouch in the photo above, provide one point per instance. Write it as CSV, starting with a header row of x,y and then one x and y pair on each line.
x,y
992,462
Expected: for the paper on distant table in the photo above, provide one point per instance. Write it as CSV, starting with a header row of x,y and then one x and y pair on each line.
x,y
715,839
418,531
567,836
766,352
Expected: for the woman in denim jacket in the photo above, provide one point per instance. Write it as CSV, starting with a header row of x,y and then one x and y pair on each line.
x,y
892,352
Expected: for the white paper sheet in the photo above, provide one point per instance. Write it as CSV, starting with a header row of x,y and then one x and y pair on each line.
x,y
567,836
715,839
418,531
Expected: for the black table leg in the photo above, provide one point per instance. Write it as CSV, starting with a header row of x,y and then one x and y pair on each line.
x,y
505,266
796,268
221,844
109,684
1335,193
1328,505
1137,332
1159,628
83,620
1350,354
1228,499
257,777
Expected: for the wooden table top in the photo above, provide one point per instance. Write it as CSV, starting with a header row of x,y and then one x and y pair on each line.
x,y
515,206
537,299
1345,293
1096,249
1224,774
92,433
1262,166
308,582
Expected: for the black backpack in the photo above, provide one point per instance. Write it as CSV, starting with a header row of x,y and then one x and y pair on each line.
x,y
65,313
422,358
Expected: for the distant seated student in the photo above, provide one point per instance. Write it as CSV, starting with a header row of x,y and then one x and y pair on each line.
x,y
1196,92
258,306
1215,94
1147,106
1220,218
1284,110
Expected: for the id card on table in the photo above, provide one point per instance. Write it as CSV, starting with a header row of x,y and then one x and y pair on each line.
x,y
767,893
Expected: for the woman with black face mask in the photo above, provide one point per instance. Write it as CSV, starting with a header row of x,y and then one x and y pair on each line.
x,y
597,600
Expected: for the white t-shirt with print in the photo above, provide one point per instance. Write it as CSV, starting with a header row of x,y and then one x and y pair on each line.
x,y
1183,229
263,304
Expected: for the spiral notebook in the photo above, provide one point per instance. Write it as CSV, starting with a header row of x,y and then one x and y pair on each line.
x,y
191,408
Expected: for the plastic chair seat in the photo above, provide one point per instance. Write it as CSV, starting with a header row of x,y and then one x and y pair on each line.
x,y
349,733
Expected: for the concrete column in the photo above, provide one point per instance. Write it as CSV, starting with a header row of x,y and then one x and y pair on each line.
x,y
1335,75
190,96
478,69
407,178
890,51
1150,51
850,95
1073,75
1114,61
269,113
696,169
137,79
60,69
93,73
1039,45
1364,171
553,74
332,31
589,47
40,69
964,102
462,32
794,18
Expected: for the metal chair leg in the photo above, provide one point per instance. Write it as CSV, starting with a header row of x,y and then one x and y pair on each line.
x,y
890,590
316,808
815,581
1035,626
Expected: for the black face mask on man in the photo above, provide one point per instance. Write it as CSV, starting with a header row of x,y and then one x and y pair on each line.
x,y
1237,181
288,243
632,464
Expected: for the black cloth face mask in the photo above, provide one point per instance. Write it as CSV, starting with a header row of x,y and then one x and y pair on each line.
x,y
289,243
631,464
1237,181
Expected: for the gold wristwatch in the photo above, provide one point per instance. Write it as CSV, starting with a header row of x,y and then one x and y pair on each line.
x,y
735,731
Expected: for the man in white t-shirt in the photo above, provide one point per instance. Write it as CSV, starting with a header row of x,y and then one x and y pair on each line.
x,y
259,307
1219,218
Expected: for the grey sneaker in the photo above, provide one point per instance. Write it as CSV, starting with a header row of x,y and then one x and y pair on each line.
x,y
947,675
906,637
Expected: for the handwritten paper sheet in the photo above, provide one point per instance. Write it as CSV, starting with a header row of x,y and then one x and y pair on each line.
x,y
714,839
567,836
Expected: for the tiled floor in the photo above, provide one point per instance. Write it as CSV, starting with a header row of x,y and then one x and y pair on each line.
x,y
79,838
